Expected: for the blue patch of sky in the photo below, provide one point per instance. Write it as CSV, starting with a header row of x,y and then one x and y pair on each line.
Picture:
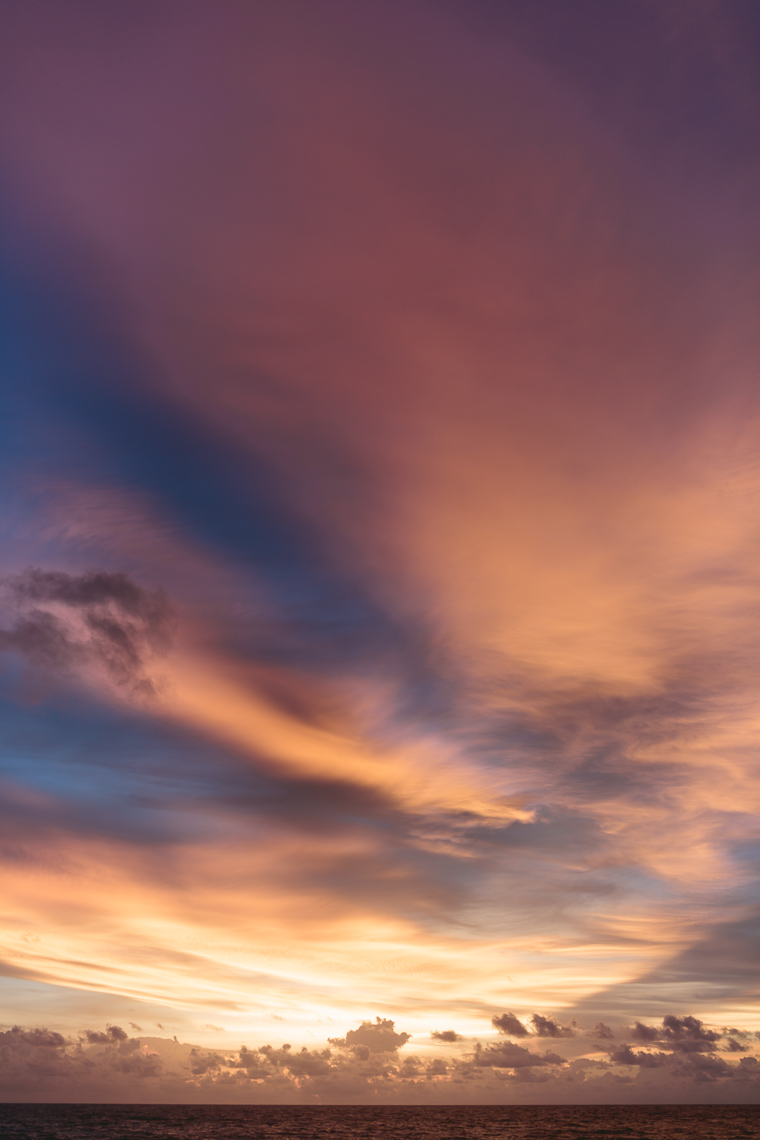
x,y
108,764
75,405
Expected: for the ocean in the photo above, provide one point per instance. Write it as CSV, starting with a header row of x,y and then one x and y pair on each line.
x,y
348,1122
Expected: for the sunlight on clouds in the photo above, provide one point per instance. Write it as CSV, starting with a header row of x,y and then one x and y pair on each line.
x,y
379,598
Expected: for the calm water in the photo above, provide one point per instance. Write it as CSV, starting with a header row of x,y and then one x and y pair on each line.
x,y
222,1122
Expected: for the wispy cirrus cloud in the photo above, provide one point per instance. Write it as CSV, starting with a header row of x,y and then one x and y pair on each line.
x,y
394,370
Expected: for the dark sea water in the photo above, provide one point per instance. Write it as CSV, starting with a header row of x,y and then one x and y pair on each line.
x,y
278,1122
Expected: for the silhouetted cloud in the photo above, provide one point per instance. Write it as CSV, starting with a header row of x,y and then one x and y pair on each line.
x,y
448,1035
541,1026
682,1034
511,1056
112,1034
377,1037
624,1055
101,617
508,1024
38,1038
41,1064
205,1062
550,1027
600,1032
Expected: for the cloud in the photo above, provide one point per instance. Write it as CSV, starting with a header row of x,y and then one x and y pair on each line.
x,y
99,617
624,1055
42,1064
380,1037
447,1035
541,1026
137,1064
45,1060
511,1056
550,1027
686,1053
112,1034
298,1062
38,1038
508,1024
205,1062
600,1032
683,1034
646,1033
412,407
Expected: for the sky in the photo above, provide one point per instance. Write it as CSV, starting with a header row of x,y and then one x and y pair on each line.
x,y
379,571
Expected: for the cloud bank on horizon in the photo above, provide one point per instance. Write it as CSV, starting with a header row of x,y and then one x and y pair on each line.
x,y
379,588
680,1061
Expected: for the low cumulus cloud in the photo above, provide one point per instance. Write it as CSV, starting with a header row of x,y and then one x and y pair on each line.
x,y
682,1050
539,1026
681,1034
508,1024
380,1037
37,1038
550,1027
41,1064
511,1056
106,1064
112,1034
66,621
600,1032
624,1055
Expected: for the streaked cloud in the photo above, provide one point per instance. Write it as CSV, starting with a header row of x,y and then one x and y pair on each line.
x,y
379,566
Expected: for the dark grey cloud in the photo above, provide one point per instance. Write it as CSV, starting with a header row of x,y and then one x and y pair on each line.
x,y
683,1034
64,620
41,1064
261,1063
624,1055
298,1062
644,1033
136,1064
686,1052
600,1032
509,1025
203,1062
550,1027
40,1060
115,1040
38,1038
719,968
448,1035
377,1037
507,1055
541,1026
682,1070
112,1034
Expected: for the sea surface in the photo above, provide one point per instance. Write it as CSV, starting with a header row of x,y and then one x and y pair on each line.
x,y
279,1122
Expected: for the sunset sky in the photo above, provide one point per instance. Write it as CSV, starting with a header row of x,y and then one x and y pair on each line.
x,y
380,560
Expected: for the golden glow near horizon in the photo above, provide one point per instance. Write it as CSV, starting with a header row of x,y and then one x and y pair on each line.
x,y
380,596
